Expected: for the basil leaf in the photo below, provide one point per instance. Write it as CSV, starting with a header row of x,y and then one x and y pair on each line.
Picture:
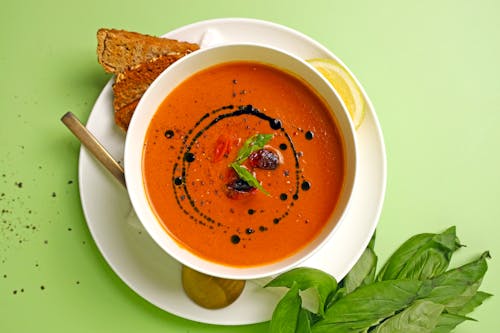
x,y
421,257
447,322
306,278
421,317
457,287
304,322
247,176
474,302
254,143
334,297
369,305
363,272
286,314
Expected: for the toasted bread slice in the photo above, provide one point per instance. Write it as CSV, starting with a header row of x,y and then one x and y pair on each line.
x,y
137,60
118,50
131,84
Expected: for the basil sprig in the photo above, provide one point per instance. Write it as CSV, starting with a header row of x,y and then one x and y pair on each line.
x,y
247,176
253,143
414,292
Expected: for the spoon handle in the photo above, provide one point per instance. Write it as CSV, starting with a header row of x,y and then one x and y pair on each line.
x,y
96,149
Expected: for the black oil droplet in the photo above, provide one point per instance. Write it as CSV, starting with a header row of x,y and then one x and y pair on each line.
x,y
309,135
275,124
169,134
178,181
283,146
189,157
283,196
235,239
305,186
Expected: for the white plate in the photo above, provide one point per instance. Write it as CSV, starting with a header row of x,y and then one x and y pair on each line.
x,y
155,276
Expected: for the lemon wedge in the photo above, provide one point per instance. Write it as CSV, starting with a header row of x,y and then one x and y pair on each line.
x,y
345,85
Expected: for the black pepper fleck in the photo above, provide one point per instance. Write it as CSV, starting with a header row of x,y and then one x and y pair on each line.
x,y
251,211
309,135
283,146
283,196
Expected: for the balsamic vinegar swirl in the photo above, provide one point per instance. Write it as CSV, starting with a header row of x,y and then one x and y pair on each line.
x,y
181,177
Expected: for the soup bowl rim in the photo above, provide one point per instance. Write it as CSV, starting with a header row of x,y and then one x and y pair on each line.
x,y
158,91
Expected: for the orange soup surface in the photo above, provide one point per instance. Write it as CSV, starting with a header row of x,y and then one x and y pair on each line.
x,y
192,148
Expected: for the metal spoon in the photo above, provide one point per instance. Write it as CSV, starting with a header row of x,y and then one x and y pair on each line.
x,y
207,291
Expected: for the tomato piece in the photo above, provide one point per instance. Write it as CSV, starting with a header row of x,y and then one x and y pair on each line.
x,y
222,148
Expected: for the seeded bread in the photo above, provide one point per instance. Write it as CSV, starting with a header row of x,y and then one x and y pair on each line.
x,y
137,60
131,84
118,50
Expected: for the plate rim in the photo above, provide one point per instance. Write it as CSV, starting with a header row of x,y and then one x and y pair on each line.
x,y
243,21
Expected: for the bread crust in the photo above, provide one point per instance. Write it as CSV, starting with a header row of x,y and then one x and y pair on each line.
x,y
118,50
132,83
136,59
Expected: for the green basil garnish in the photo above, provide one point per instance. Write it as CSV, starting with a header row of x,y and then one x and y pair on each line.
x,y
247,176
253,143
413,292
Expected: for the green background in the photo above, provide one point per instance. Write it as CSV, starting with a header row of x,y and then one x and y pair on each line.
x,y
431,68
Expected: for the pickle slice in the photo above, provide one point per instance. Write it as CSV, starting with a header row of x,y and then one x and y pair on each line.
x,y
208,291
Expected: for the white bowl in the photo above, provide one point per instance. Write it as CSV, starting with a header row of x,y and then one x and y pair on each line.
x,y
172,77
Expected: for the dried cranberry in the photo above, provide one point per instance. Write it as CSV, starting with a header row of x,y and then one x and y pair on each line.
x,y
239,189
240,185
264,159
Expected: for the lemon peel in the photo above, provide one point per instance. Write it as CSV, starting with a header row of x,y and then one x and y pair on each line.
x,y
345,85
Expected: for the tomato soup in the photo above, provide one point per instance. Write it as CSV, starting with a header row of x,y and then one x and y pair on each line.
x,y
222,192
